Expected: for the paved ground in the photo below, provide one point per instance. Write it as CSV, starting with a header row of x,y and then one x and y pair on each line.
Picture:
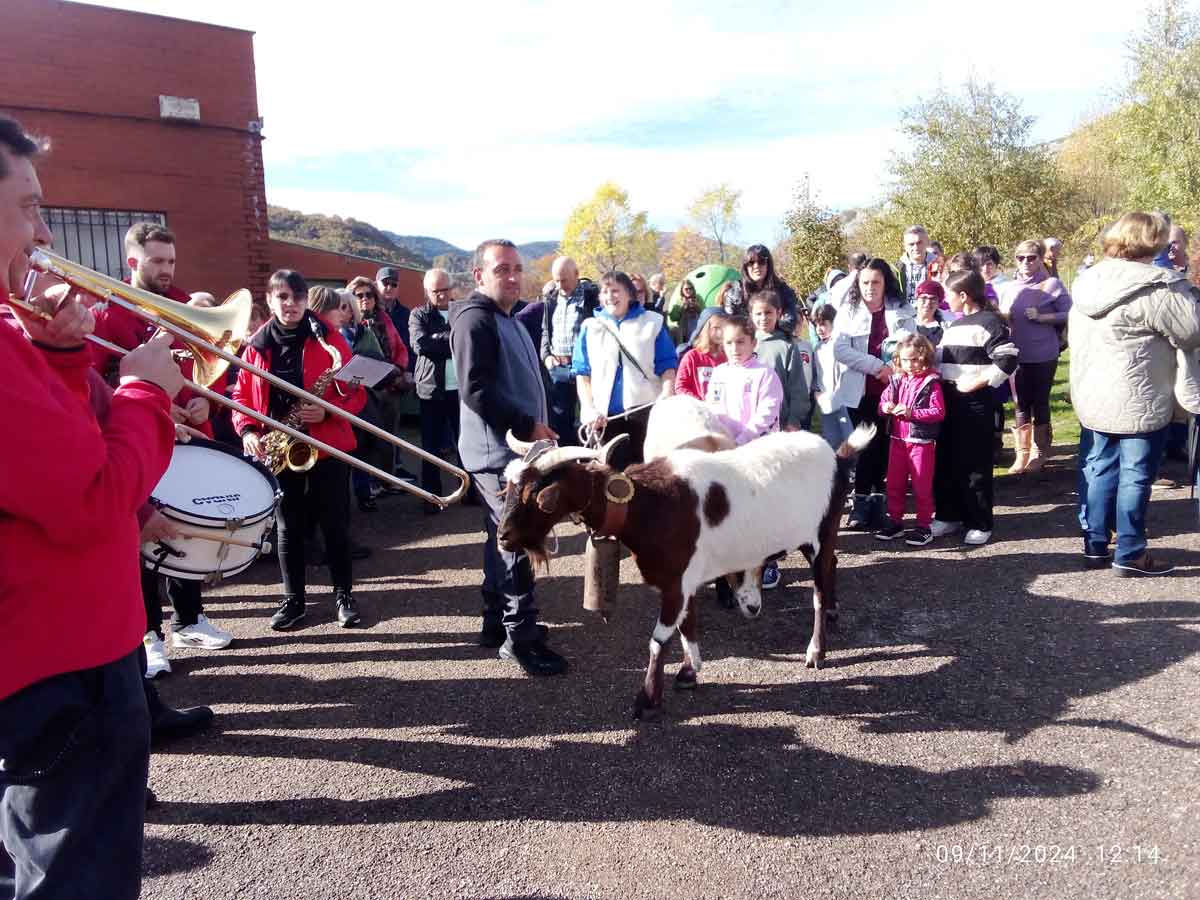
x,y
991,722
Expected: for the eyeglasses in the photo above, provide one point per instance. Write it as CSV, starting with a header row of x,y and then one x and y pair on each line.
x,y
1032,258
366,295
437,292
390,282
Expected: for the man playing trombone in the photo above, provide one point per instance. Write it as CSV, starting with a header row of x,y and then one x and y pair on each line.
x,y
74,727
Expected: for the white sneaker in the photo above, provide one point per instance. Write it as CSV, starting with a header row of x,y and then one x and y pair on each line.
x,y
938,528
975,536
204,635
157,663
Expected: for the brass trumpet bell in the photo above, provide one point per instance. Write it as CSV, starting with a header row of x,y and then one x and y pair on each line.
x,y
221,326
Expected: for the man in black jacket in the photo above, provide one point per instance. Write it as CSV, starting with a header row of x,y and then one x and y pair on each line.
x,y
437,382
500,390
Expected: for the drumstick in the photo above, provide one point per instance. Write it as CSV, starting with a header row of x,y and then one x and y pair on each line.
x,y
184,531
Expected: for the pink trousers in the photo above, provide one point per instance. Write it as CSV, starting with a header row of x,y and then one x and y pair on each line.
x,y
904,461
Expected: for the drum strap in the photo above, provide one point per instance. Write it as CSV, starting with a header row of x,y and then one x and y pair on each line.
x,y
161,553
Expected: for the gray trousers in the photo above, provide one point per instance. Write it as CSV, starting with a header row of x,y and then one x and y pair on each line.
x,y
507,577
74,756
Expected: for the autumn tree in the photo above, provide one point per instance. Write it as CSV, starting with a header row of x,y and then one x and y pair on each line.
x,y
604,233
536,274
815,242
1158,125
714,215
687,250
972,174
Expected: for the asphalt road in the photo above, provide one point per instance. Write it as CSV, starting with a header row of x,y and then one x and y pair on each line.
x,y
990,722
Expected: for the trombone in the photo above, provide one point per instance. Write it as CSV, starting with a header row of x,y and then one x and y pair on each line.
x,y
212,337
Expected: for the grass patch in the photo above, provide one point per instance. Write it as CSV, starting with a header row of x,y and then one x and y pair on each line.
x,y
1063,420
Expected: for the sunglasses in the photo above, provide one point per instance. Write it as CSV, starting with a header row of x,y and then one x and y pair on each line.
x,y
390,283
366,296
1027,258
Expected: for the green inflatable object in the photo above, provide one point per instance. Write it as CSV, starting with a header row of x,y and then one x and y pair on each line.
x,y
708,281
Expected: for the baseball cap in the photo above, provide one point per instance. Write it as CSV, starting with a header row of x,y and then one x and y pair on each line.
x,y
387,272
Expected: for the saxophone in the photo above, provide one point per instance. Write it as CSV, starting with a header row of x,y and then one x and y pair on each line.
x,y
281,450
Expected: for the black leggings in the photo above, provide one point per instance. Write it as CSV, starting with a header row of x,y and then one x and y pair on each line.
x,y
962,473
1034,381
324,493
870,470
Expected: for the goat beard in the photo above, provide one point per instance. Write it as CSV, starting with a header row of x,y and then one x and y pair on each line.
x,y
539,556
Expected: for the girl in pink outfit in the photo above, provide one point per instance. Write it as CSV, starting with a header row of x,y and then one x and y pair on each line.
x,y
749,396
914,405
746,392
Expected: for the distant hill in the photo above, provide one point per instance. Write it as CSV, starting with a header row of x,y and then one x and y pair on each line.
x,y
537,249
431,247
427,247
340,235
364,239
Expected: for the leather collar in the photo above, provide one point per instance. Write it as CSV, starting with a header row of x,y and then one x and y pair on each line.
x,y
618,492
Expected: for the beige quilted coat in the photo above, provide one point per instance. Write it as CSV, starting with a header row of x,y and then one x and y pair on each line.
x,y
1134,328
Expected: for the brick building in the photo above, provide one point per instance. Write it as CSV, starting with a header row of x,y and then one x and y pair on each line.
x,y
149,117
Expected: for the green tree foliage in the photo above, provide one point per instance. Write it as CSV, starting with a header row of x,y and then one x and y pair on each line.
x,y
815,242
1157,146
604,233
972,174
714,215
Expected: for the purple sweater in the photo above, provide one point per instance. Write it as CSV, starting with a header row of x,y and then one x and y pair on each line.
x,y
1037,341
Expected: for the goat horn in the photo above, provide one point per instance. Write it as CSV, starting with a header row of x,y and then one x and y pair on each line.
x,y
518,447
607,449
560,456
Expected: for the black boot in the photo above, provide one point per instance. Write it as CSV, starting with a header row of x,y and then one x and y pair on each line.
x,y
167,723
860,514
347,612
290,613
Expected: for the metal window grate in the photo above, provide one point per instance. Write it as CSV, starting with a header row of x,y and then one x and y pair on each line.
x,y
96,237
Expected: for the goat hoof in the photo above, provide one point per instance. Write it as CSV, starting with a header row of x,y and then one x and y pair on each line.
x,y
813,659
685,679
641,705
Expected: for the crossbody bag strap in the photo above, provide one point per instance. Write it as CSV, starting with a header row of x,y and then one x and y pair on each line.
x,y
624,351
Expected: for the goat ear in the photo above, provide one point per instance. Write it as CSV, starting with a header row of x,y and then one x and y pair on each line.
x,y
548,497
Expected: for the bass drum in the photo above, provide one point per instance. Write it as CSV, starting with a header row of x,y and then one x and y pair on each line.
x,y
211,488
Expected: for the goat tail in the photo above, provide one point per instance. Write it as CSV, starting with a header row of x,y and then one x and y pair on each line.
x,y
857,442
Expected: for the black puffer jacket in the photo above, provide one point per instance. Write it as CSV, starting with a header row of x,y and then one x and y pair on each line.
x,y
429,334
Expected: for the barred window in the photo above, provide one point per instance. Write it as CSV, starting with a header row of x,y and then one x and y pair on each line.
x,y
95,237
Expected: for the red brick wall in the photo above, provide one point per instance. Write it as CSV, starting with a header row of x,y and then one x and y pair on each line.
x,y
317,265
89,79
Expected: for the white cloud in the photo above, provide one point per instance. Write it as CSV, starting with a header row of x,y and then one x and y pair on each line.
x,y
481,95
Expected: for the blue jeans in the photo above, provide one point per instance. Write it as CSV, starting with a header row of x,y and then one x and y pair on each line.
x,y
507,576
1120,470
1085,447
76,752
561,399
836,427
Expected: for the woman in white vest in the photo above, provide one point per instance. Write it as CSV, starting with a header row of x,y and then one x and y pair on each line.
x,y
624,358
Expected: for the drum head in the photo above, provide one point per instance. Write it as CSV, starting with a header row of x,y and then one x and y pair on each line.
x,y
207,482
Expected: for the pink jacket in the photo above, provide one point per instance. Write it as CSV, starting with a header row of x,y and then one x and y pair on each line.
x,y
922,394
749,397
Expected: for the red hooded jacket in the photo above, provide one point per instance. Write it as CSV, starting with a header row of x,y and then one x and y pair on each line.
x,y
70,585
254,392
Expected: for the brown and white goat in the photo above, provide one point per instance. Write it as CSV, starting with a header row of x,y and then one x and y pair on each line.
x,y
690,517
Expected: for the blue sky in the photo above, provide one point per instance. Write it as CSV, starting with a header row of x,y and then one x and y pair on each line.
x,y
467,120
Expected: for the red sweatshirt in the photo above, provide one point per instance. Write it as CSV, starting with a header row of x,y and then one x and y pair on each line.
x,y
695,371
70,587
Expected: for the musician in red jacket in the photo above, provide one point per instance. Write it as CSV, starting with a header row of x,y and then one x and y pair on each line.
x,y
295,345
74,728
